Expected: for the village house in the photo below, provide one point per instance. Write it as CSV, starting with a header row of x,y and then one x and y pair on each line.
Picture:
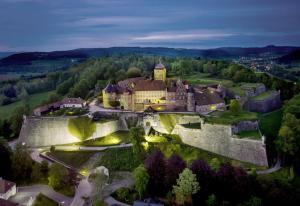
x,y
65,103
7,189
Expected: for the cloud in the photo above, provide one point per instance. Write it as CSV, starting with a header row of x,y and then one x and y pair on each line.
x,y
114,20
183,36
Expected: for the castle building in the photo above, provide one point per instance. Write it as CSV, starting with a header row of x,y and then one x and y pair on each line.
x,y
160,93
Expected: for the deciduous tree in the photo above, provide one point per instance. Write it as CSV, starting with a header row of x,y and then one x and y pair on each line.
x,y
141,178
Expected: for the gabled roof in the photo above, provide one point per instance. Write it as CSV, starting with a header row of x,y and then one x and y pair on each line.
x,y
207,97
150,85
5,185
112,88
73,101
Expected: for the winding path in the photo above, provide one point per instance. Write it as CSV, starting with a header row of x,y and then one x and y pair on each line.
x,y
275,168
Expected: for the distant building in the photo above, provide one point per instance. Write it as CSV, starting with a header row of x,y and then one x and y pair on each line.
x,y
7,189
72,103
139,94
65,103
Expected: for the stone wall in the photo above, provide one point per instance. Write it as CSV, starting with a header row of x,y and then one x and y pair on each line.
x,y
219,139
244,126
47,131
269,104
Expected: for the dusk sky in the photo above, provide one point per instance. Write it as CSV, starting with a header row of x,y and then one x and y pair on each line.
x,y
47,25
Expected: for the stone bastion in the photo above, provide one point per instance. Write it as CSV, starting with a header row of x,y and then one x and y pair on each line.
x,y
216,138
47,131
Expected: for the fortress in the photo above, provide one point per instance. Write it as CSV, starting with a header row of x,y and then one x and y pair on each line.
x,y
216,138
162,94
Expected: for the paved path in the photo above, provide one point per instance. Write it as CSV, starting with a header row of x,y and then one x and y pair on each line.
x,y
112,201
32,191
276,167
89,148
83,190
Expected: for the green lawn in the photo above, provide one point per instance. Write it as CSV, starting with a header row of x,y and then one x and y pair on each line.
x,y
263,96
73,158
253,134
33,101
120,159
229,117
109,140
42,200
270,123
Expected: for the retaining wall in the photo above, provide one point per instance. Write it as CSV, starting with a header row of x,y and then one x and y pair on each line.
x,y
47,131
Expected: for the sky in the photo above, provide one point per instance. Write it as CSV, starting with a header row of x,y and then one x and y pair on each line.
x,y
48,25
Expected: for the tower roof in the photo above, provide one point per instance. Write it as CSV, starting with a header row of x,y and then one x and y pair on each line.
x,y
160,66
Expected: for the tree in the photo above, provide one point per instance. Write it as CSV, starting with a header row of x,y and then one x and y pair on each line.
x,y
57,175
141,178
235,106
156,165
215,164
137,137
211,200
133,72
36,173
289,135
21,163
17,119
205,176
5,154
187,185
44,168
174,166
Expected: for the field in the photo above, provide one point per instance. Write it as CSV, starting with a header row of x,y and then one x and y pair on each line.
x,y
229,117
33,101
42,200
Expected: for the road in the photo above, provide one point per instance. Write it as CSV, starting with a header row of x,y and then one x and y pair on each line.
x,y
87,148
276,167
24,193
83,190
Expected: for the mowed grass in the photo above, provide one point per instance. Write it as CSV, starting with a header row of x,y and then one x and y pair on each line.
x,y
229,117
72,158
115,138
42,200
34,101
253,134
270,123
264,95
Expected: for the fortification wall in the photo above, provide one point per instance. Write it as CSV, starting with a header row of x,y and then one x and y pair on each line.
x,y
270,104
219,139
244,126
47,131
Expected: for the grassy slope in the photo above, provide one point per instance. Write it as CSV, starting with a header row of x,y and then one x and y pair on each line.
x,y
231,118
33,101
42,200
73,158
169,120
270,123
263,96
254,134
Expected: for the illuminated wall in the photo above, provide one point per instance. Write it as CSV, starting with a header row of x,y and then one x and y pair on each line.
x,y
160,74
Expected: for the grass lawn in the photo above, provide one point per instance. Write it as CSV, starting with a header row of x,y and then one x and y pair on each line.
x,y
109,140
33,101
73,158
253,134
270,123
120,159
42,200
155,138
229,117
263,96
